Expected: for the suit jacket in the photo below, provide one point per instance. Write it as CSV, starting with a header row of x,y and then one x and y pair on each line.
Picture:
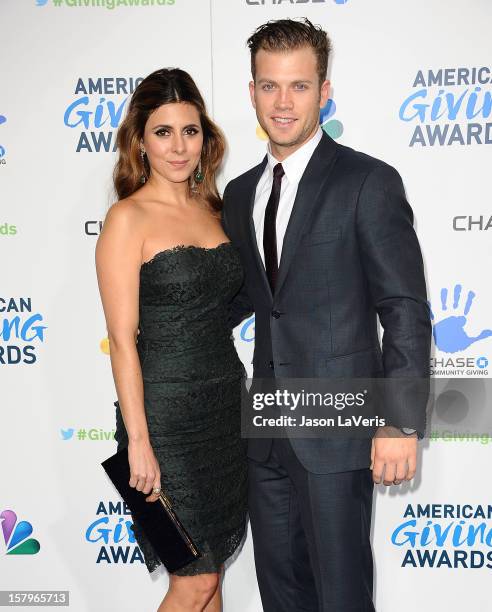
x,y
350,255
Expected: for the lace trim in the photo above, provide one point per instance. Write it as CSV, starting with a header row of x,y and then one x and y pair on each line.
x,y
209,562
182,247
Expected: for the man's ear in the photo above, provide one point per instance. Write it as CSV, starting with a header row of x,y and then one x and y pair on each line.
x,y
252,93
324,93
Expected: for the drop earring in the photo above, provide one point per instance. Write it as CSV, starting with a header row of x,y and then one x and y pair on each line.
x,y
143,178
199,176
196,177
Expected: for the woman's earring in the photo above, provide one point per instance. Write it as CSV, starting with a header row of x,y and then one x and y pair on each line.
x,y
196,177
199,176
143,178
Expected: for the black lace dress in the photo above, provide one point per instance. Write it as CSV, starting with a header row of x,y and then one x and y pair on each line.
x,y
192,383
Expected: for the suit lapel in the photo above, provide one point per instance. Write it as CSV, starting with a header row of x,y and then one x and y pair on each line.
x,y
251,189
310,186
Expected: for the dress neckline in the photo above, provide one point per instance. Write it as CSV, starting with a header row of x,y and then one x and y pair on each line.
x,y
182,247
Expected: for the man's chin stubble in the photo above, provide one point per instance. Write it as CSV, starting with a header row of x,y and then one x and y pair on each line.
x,y
301,139
291,143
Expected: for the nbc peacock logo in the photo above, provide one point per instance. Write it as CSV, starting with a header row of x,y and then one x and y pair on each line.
x,y
332,127
16,535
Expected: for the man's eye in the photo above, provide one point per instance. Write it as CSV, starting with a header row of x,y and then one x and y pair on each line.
x,y
301,86
267,87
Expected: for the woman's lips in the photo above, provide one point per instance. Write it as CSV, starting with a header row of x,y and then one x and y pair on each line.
x,y
178,164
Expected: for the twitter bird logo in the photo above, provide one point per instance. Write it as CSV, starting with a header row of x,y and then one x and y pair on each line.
x,y
41,2
3,119
67,433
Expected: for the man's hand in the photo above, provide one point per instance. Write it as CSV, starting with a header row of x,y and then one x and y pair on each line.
x,y
393,456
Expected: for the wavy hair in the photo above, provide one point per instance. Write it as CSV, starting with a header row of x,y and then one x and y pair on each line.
x,y
290,34
165,86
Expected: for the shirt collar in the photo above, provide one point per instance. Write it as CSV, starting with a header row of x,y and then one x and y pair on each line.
x,y
295,164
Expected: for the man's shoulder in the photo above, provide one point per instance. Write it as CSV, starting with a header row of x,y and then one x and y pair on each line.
x,y
357,162
359,159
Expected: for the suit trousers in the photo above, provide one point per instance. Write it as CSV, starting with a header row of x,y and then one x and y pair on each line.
x,y
311,535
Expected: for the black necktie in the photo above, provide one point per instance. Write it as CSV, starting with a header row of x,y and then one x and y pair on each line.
x,y
269,229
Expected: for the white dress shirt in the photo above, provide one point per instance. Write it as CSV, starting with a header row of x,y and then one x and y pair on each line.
x,y
294,166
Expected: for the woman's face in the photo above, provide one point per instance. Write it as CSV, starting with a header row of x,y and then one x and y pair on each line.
x,y
173,140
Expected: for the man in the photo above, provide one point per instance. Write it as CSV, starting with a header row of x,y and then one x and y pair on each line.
x,y
326,239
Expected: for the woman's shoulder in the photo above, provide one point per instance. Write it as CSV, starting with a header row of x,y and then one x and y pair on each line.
x,y
126,207
127,211
124,222
122,232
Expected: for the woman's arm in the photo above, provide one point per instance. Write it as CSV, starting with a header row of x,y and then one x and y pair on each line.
x,y
118,261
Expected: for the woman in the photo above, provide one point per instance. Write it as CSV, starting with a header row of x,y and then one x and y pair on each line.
x,y
166,273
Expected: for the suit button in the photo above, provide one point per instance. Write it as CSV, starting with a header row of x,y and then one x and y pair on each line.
x,y
275,314
271,365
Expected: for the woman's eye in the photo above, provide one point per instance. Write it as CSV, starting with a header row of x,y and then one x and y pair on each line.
x,y
191,131
161,132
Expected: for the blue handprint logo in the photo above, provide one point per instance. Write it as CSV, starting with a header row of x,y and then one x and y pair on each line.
x,y
449,333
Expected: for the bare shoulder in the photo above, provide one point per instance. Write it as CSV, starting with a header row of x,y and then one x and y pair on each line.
x,y
123,230
125,212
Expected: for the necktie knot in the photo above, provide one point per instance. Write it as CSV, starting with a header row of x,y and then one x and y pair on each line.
x,y
278,172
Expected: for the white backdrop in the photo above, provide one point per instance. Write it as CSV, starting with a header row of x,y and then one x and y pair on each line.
x,y
55,378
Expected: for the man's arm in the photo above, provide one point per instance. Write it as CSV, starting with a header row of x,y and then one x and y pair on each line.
x,y
240,306
392,261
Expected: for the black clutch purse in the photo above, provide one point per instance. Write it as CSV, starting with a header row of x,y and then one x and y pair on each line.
x,y
173,545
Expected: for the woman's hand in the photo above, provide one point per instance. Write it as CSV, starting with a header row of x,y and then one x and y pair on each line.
x,y
145,473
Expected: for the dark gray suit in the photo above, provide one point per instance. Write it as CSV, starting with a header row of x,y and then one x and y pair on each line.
x,y
350,254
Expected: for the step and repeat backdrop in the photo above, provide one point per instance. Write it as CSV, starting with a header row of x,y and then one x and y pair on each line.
x,y
411,84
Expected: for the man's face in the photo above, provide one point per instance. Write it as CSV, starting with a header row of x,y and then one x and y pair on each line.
x,y
287,97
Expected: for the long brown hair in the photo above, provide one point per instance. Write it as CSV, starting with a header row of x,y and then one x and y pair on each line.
x,y
165,86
